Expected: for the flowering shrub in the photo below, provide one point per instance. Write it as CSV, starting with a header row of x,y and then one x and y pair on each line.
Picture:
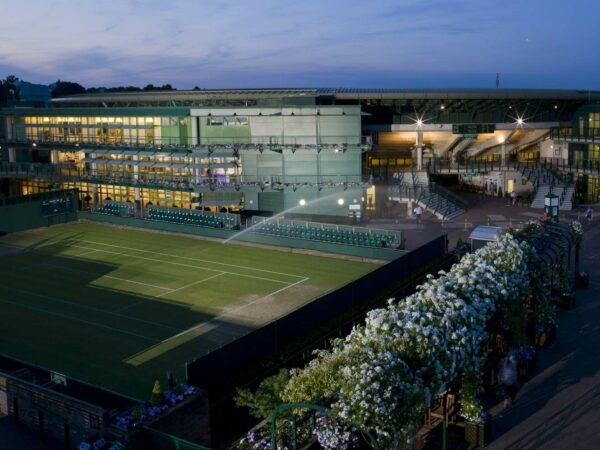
x,y
146,412
331,433
383,373
255,440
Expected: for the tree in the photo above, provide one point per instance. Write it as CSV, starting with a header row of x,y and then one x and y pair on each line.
x,y
164,87
62,88
10,89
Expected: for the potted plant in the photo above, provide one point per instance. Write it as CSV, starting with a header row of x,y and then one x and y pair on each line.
x,y
478,431
477,420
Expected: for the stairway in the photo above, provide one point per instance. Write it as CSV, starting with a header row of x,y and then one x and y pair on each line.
x,y
547,182
432,197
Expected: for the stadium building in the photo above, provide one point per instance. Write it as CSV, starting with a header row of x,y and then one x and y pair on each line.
x,y
123,307
268,150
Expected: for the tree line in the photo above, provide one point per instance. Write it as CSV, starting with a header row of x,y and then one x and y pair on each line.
x,y
10,89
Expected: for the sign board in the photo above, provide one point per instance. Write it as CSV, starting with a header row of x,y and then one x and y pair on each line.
x,y
56,206
354,206
473,128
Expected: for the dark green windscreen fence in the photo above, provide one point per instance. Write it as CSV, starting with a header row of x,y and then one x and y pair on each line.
x,y
26,212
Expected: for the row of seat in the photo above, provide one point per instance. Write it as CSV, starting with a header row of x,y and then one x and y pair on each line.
x,y
112,208
359,238
187,217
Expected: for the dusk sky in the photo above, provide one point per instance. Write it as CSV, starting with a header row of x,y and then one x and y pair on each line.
x,y
308,43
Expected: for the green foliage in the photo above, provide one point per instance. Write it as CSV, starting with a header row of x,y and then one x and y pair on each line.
x,y
470,407
9,89
514,320
266,398
164,87
62,88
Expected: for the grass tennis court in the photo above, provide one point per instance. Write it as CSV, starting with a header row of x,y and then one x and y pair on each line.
x,y
119,307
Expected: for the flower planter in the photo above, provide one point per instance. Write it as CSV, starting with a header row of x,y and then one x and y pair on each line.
x,y
478,433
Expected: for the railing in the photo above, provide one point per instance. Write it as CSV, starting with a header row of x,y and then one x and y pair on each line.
x,y
434,198
447,194
170,180
588,135
590,166
340,143
441,166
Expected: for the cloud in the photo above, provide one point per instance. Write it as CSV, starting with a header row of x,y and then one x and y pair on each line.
x,y
314,42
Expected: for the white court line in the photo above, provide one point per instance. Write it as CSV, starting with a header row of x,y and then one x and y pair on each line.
x,y
221,316
182,265
283,289
132,281
189,285
186,257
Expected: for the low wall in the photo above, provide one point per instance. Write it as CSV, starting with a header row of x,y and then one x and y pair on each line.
x,y
56,407
63,409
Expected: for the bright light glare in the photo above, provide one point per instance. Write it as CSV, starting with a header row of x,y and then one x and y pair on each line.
x,y
340,201
302,202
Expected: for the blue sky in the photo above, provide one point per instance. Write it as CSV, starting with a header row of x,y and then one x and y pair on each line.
x,y
308,43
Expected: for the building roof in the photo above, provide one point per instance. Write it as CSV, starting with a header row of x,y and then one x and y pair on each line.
x,y
381,106
342,93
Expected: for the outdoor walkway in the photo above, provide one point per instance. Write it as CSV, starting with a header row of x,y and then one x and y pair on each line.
x,y
559,406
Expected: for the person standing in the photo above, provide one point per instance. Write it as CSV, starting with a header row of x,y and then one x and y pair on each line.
x,y
513,197
588,214
418,212
508,377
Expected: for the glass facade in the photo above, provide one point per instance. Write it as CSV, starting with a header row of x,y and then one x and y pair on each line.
x,y
105,130
212,159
